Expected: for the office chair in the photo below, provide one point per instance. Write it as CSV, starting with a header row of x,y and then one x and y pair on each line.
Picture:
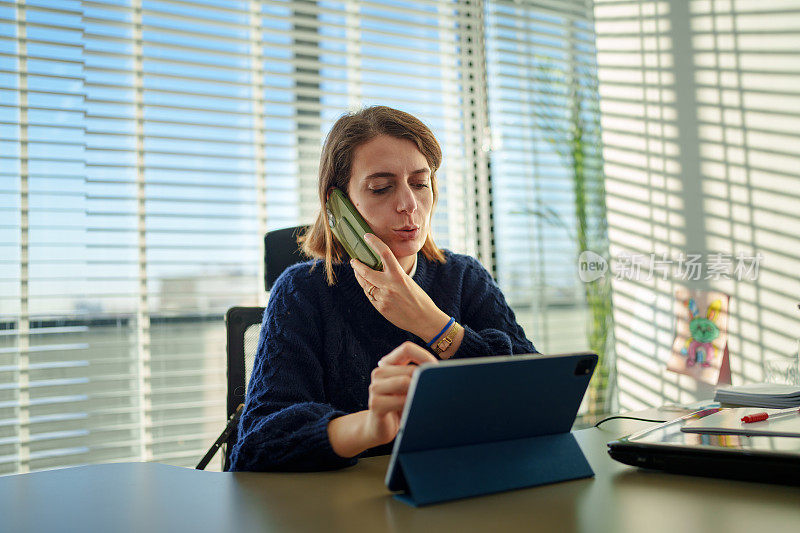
x,y
280,252
243,327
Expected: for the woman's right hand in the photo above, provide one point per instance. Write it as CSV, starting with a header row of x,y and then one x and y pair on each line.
x,y
388,390
351,434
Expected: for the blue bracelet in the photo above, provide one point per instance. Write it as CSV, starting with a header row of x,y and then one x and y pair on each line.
x,y
450,323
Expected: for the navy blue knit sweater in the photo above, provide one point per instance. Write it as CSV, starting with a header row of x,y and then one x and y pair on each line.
x,y
320,343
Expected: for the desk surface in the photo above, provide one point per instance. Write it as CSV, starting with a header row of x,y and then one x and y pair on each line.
x,y
151,497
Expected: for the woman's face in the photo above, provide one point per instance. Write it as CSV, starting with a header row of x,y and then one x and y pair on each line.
x,y
390,185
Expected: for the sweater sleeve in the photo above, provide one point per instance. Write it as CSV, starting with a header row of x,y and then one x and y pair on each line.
x,y
490,327
284,425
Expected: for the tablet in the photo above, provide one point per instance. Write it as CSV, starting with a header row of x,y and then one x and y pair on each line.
x,y
753,458
457,403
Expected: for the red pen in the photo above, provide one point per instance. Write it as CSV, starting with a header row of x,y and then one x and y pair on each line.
x,y
758,417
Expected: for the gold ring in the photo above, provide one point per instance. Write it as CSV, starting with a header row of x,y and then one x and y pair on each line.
x,y
370,292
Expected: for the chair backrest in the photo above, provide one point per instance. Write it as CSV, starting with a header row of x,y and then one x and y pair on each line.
x,y
280,252
243,324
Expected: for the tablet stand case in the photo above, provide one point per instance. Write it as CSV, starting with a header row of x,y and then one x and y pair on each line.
x,y
460,440
432,476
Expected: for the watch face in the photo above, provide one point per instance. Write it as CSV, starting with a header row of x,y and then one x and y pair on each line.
x,y
447,340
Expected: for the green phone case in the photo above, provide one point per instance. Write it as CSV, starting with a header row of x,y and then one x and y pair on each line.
x,y
349,228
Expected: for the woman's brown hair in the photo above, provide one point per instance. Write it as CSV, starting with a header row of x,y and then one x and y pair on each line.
x,y
348,133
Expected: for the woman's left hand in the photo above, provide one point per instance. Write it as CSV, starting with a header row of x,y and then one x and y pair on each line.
x,y
396,296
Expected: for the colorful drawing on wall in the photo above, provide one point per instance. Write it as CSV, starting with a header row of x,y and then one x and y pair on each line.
x,y
700,349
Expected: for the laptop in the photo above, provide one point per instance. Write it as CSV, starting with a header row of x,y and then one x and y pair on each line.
x,y
750,458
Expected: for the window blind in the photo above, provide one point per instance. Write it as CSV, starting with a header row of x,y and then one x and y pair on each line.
x,y
146,148
147,145
542,86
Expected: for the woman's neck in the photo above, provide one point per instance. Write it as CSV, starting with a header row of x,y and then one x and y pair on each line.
x,y
408,263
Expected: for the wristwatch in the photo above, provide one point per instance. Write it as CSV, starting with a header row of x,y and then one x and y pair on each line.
x,y
444,343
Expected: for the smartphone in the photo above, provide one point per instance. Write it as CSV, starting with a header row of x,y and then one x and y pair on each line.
x,y
349,228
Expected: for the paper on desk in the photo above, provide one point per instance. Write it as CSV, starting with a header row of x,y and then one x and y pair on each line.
x,y
774,395
729,422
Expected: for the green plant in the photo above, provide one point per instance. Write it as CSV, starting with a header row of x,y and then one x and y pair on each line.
x,y
574,132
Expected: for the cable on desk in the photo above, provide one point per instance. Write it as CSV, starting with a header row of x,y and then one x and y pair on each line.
x,y
628,418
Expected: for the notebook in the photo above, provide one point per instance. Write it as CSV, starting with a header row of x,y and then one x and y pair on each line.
x,y
729,422
773,395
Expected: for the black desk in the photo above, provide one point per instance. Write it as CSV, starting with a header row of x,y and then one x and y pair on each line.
x,y
149,497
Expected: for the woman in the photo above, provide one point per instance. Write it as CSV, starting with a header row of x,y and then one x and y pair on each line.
x,y
338,339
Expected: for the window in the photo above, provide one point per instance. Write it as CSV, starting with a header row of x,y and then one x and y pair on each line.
x,y
147,145
542,88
